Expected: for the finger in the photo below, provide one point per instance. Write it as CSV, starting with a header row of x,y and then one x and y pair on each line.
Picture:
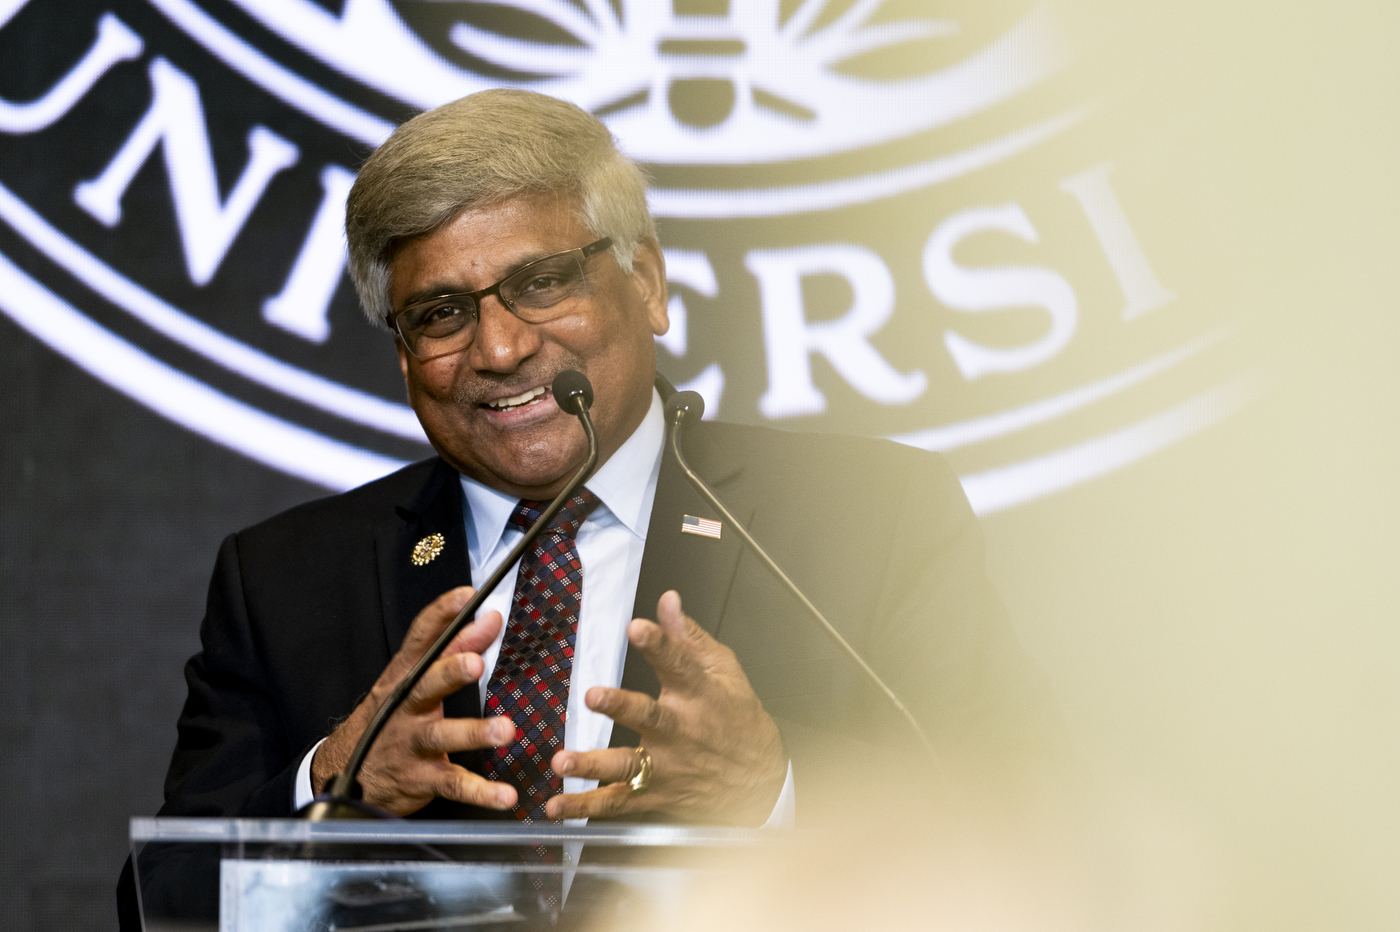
x,y
636,711
605,802
460,784
432,620
611,765
449,735
673,649
681,627
444,677
698,643
477,636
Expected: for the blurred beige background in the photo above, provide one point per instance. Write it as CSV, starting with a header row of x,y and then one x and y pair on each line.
x,y
1221,620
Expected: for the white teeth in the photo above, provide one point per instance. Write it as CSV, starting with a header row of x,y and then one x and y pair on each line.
x,y
517,400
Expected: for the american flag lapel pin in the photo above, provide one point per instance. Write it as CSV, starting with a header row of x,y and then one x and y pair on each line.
x,y
702,526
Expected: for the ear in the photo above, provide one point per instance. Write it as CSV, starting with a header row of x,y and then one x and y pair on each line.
x,y
403,359
649,277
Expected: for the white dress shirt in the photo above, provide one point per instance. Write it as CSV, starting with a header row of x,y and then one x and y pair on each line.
x,y
610,546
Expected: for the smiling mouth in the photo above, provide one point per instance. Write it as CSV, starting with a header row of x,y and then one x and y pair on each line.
x,y
523,400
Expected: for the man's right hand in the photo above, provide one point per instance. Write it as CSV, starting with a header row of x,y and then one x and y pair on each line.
x,y
408,764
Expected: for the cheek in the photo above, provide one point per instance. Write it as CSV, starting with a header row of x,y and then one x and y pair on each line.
x,y
607,340
434,379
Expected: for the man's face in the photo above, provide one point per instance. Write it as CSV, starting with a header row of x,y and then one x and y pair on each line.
x,y
529,448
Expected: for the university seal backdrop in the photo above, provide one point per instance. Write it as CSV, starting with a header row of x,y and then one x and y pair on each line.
x,y
886,218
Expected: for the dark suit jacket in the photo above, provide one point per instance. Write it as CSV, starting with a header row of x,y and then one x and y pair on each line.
x,y
306,609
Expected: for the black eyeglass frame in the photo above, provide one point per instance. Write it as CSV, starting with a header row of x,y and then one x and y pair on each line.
x,y
584,252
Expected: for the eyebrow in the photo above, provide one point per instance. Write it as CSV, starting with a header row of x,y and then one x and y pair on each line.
x,y
436,290
441,289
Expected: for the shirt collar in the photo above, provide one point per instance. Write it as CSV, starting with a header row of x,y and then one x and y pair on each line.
x,y
621,484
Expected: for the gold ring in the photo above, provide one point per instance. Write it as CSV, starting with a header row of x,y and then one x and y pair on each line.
x,y
642,780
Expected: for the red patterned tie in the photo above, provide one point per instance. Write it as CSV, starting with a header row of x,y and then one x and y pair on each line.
x,y
531,679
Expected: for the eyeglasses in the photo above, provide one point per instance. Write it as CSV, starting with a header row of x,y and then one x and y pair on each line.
x,y
543,290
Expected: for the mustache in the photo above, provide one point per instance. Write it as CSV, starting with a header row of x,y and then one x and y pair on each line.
x,y
485,386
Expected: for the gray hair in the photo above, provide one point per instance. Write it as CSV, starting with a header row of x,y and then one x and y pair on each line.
x,y
479,151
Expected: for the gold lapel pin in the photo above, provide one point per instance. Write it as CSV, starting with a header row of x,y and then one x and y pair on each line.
x,y
427,549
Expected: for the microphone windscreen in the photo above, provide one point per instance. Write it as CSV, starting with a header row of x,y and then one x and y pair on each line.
x,y
569,385
689,402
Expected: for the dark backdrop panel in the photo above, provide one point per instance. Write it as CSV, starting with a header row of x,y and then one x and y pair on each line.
x,y
109,522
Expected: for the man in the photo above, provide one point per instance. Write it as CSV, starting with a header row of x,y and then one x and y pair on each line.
x,y
503,239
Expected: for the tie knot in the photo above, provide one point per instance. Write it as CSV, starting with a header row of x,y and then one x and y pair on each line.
x,y
567,522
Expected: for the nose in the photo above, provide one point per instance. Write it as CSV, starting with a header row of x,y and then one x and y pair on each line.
x,y
503,341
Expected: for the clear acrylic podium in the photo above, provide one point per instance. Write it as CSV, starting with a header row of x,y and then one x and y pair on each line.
x,y
285,875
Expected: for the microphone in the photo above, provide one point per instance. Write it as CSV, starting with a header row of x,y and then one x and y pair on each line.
x,y
343,796
682,406
572,392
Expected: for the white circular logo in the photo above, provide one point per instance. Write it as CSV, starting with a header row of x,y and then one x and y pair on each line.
x,y
872,223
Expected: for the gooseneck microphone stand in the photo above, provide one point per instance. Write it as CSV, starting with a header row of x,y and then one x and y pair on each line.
x,y
342,799
683,405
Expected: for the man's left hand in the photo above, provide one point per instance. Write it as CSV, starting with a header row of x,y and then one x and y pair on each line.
x,y
717,755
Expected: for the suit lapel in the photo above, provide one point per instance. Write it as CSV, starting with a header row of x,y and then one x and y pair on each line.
x,y
699,568
407,585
